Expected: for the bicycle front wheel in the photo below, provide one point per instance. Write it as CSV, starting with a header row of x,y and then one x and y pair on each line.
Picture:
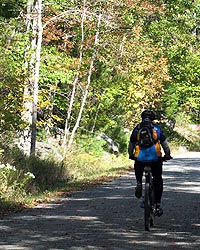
x,y
147,207
152,204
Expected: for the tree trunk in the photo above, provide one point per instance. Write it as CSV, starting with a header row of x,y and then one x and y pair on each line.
x,y
88,85
25,140
75,79
36,77
32,63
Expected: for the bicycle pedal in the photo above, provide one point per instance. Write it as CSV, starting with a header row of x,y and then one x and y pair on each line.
x,y
142,204
158,212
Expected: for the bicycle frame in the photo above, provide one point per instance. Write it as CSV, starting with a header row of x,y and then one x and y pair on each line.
x,y
149,205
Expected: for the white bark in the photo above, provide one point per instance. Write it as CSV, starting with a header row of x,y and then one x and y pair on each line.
x,y
29,115
25,141
36,76
87,86
76,77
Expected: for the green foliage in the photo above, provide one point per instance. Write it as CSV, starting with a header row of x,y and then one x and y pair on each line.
x,y
84,167
147,56
130,70
175,30
11,74
118,134
183,94
14,183
11,8
90,145
86,162
48,172
55,86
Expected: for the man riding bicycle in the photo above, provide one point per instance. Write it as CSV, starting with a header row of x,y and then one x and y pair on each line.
x,y
144,147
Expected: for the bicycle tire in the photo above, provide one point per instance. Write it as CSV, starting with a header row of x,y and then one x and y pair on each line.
x,y
152,205
147,208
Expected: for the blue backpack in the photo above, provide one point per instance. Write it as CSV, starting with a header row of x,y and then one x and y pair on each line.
x,y
147,146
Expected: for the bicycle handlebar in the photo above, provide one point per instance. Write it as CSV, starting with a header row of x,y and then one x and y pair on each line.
x,y
167,158
164,158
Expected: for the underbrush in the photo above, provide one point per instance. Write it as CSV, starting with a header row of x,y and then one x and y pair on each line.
x,y
30,180
84,167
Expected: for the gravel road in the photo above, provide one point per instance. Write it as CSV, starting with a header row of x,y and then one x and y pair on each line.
x,y
109,216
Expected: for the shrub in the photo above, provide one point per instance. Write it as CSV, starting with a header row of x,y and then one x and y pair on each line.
x,y
14,183
48,173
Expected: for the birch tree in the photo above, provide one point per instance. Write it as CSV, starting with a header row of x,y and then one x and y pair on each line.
x,y
88,83
36,76
32,64
76,77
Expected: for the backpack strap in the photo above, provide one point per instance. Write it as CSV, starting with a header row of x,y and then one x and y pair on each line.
x,y
155,135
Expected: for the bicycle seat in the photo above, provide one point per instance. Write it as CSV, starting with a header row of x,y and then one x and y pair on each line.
x,y
147,169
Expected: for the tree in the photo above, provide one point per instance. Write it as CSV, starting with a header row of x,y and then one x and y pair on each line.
x,y
176,33
11,68
88,83
32,65
147,53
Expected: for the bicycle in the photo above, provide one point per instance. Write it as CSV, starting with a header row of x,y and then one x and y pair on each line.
x,y
149,203
149,198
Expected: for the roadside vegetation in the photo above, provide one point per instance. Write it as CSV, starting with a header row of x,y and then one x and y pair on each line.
x,y
27,181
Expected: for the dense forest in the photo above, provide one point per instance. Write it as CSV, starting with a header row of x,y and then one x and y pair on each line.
x,y
90,67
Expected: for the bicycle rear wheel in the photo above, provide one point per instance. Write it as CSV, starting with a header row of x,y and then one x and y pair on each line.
x,y
152,204
147,208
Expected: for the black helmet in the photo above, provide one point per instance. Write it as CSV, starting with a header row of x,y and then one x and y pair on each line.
x,y
147,113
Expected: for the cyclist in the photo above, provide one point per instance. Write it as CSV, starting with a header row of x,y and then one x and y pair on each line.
x,y
154,158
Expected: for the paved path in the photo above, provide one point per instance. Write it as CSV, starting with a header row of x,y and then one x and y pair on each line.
x,y
108,217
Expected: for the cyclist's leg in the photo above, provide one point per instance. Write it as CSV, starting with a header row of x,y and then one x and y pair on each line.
x,y
158,186
139,169
158,180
